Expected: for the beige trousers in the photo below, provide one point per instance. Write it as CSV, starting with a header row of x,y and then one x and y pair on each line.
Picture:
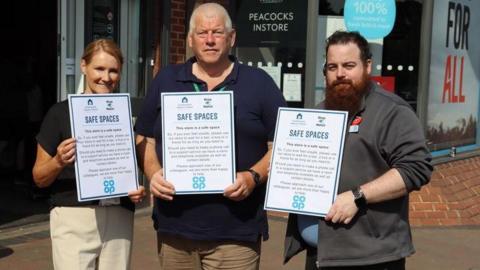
x,y
176,253
91,237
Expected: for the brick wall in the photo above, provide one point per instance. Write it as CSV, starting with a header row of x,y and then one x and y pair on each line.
x,y
177,32
451,198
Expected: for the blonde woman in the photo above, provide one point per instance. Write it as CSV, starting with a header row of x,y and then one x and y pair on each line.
x,y
92,234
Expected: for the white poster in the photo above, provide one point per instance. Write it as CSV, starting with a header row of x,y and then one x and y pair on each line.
x,y
274,72
306,161
454,74
292,86
105,164
198,141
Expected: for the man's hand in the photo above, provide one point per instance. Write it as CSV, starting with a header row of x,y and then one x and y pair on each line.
x,y
160,187
241,188
343,209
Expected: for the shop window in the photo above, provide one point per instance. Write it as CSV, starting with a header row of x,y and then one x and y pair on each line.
x,y
272,35
395,57
101,20
453,99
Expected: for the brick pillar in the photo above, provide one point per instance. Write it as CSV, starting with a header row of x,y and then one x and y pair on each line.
x,y
177,32
179,29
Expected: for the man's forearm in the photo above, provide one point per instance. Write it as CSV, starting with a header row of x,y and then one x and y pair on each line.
x,y
151,167
261,167
147,156
388,186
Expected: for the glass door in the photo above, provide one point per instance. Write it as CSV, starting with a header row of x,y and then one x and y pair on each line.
x,y
71,43
83,21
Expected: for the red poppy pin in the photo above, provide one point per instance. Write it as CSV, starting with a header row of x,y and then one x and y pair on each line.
x,y
357,121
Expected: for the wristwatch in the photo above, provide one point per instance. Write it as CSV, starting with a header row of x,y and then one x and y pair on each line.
x,y
359,198
255,176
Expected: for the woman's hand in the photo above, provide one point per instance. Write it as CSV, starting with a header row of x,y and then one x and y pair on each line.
x,y
47,168
136,196
66,152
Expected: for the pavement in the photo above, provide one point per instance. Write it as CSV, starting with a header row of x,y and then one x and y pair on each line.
x,y
28,247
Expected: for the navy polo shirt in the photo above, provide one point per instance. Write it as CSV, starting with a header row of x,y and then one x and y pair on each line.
x,y
212,216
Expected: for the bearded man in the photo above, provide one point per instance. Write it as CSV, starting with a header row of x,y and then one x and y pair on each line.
x,y
385,158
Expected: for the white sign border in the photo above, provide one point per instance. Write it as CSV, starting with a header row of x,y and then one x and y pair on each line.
x,y
232,130
72,127
339,165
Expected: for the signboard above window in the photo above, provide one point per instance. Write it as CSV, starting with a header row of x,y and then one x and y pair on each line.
x,y
271,35
271,23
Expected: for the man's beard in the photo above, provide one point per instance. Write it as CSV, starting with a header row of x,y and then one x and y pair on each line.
x,y
344,95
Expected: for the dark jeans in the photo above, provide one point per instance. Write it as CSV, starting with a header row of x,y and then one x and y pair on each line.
x,y
310,264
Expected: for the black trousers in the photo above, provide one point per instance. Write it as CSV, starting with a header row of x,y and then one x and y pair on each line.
x,y
311,260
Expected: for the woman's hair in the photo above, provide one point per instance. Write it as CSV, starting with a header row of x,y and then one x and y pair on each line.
x,y
102,45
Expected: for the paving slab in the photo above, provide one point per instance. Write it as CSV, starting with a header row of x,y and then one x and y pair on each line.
x,y
454,248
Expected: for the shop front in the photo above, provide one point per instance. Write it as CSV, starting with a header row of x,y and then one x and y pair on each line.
x,y
428,54
424,51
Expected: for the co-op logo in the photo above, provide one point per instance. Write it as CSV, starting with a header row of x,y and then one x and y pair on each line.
x,y
298,202
109,186
198,182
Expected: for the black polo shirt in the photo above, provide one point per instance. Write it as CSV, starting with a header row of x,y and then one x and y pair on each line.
x,y
212,216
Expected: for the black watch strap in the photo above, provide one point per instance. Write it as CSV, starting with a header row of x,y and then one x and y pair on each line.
x,y
359,198
255,176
